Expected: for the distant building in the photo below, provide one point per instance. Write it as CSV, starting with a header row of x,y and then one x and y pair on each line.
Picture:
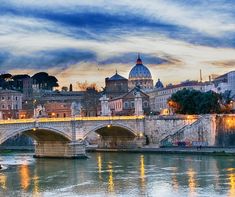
x,y
116,86
159,96
222,83
62,96
125,104
140,76
57,110
159,85
27,88
10,104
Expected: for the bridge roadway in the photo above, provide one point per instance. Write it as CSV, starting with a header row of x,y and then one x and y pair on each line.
x,y
58,137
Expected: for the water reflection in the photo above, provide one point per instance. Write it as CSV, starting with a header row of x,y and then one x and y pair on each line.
x,y
231,176
24,176
110,174
3,180
110,177
99,164
142,172
191,181
35,180
175,183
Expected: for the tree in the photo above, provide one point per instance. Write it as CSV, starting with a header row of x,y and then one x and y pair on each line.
x,y
45,81
83,86
195,102
64,89
18,81
6,81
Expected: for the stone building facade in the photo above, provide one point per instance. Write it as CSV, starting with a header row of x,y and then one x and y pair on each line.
x,y
125,104
115,86
158,97
10,104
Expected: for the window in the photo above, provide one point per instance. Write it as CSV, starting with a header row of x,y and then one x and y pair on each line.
x,y
16,106
145,104
3,98
132,104
3,106
126,105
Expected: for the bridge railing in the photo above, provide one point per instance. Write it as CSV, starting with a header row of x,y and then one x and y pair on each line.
x,y
66,119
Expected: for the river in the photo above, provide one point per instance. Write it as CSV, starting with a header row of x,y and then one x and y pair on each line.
x,y
118,174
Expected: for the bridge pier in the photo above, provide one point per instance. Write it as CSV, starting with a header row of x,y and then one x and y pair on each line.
x,y
59,149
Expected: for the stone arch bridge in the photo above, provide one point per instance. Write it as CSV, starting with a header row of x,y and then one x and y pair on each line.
x,y
57,137
60,137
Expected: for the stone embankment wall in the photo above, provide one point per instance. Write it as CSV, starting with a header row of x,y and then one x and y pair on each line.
x,y
158,128
206,130
225,130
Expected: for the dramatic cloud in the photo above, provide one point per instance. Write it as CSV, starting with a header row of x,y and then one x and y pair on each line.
x,y
66,38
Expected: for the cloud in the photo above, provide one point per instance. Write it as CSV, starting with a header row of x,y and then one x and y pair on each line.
x,y
71,36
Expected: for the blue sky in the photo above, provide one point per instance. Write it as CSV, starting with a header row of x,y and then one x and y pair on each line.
x,y
89,40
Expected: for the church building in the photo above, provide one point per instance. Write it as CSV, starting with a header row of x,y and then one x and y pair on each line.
x,y
140,76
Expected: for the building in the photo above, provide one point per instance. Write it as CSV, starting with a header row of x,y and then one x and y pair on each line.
x,y
27,88
140,76
57,109
116,85
222,83
62,96
125,104
11,103
158,97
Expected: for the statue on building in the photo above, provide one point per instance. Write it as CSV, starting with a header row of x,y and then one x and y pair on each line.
x,y
39,111
105,110
138,104
76,109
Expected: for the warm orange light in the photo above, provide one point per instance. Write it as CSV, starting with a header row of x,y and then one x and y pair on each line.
x,y
53,114
24,176
109,125
110,180
34,129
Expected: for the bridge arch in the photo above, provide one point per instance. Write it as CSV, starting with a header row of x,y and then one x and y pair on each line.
x,y
98,129
38,134
113,136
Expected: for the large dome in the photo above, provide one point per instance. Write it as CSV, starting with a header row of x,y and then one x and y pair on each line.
x,y
140,71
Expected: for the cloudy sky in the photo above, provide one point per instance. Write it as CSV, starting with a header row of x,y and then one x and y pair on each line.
x,y
78,40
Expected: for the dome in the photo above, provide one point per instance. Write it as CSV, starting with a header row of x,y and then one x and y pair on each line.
x,y
140,71
159,84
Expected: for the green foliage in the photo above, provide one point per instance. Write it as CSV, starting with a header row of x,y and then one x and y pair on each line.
x,y
195,102
45,81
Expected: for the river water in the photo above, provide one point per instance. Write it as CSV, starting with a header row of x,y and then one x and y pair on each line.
x,y
118,174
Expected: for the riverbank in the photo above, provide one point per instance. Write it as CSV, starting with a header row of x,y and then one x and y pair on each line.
x,y
228,151
173,150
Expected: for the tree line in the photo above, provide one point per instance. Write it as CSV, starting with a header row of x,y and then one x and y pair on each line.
x,y
196,102
15,82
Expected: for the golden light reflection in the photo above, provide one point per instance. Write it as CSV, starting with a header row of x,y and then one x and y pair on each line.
x,y
24,176
35,186
99,163
3,180
191,181
232,185
230,122
142,172
175,183
110,181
